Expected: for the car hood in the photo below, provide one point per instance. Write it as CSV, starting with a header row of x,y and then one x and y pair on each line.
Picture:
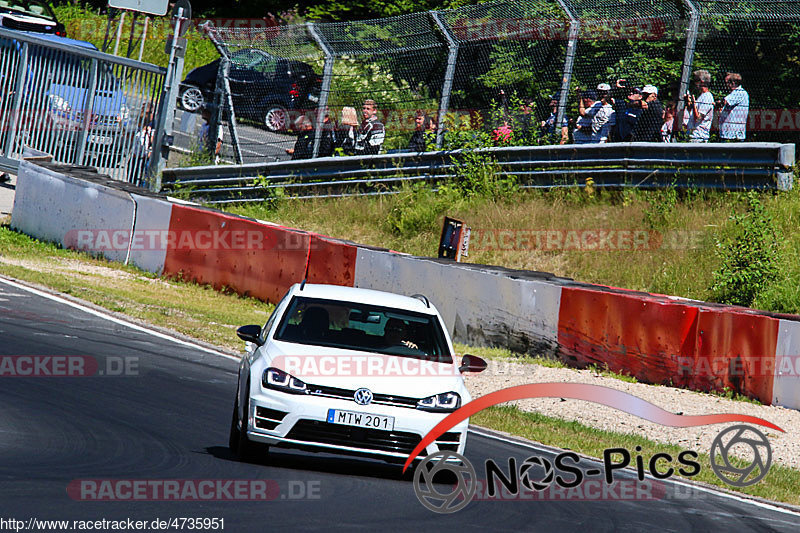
x,y
351,369
105,102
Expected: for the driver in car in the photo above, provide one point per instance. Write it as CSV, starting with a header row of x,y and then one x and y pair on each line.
x,y
395,333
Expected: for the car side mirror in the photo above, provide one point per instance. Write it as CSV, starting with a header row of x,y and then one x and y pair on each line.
x,y
251,333
472,363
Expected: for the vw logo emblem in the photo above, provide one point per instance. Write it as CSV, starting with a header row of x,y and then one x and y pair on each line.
x,y
363,396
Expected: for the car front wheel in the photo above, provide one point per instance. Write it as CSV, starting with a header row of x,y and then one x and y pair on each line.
x,y
238,442
275,118
192,98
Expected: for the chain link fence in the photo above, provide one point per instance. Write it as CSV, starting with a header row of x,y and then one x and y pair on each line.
x,y
508,72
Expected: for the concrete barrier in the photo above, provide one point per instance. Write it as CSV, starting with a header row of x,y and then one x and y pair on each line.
x,y
72,212
479,306
786,375
150,233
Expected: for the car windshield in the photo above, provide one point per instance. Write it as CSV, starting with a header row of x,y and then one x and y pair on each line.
x,y
363,327
33,8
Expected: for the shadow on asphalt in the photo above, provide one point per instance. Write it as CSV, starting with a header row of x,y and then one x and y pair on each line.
x,y
327,463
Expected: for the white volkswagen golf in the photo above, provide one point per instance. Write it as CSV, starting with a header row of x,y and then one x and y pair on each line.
x,y
348,370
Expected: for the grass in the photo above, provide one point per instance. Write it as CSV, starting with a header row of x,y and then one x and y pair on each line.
x,y
682,227
203,313
780,484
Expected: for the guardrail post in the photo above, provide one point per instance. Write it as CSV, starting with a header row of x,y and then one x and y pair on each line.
x,y
447,87
166,116
569,61
88,112
22,71
688,59
327,74
786,159
223,90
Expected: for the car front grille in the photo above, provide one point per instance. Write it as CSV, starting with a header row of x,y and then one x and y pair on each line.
x,y
347,394
354,437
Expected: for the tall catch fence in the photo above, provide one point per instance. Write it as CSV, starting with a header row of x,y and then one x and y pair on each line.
x,y
503,73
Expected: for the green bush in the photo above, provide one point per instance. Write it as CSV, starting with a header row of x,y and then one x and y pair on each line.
x,y
748,251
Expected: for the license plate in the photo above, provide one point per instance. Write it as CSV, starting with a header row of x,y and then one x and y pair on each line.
x,y
361,420
313,98
100,139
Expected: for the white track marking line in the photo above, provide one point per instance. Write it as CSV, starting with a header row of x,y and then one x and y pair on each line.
x,y
116,320
550,449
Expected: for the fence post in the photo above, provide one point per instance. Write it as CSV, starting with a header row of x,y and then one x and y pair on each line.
x,y
569,61
688,59
88,111
166,116
327,74
22,71
452,56
223,90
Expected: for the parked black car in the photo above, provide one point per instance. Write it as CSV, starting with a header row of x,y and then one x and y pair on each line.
x,y
263,87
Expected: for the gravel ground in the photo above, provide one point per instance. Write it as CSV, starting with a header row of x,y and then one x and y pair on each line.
x,y
500,375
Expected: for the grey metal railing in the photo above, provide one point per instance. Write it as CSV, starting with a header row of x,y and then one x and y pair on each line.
x,y
710,165
77,104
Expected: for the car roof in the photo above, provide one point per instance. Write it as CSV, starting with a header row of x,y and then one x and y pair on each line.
x,y
368,296
60,40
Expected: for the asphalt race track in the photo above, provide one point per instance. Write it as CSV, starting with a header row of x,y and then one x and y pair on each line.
x,y
167,418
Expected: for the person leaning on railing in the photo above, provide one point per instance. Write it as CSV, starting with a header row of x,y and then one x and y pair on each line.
x,y
418,142
371,133
304,146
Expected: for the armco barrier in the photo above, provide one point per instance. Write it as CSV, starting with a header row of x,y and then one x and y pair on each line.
x,y
656,338
480,305
786,381
55,207
244,255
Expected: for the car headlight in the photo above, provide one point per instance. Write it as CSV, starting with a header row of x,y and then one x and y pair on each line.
x,y
59,104
277,379
446,402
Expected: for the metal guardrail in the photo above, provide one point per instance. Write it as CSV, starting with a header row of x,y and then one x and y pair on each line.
x,y
647,165
77,104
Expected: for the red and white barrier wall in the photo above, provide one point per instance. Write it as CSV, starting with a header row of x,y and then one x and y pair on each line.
x,y
657,339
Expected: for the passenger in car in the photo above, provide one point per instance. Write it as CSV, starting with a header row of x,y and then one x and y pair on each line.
x,y
315,323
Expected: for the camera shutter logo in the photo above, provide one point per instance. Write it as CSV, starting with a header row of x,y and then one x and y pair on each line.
x,y
733,474
363,396
459,494
526,470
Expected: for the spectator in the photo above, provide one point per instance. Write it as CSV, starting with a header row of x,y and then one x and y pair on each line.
x,y
700,110
304,146
502,134
734,110
548,127
669,121
604,118
648,126
327,142
205,134
346,136
586,109
628,107
526,119
139,162
371,133
418,142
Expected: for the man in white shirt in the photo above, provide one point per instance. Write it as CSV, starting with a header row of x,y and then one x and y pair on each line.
x,y
700,110
605,117
588,105
734,110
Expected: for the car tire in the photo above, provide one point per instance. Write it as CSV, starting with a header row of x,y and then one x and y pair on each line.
x,y
276,118
242,447
191,99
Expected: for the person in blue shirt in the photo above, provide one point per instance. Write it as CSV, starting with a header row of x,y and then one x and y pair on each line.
x,y
548,127
734,110
628,107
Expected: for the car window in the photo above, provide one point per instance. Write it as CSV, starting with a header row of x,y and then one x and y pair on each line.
x,y
245,58
364,327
